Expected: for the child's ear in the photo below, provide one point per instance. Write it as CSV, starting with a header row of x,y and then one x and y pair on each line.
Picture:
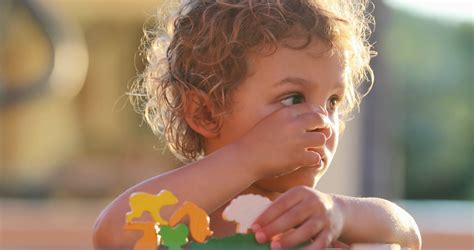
x,y
200,114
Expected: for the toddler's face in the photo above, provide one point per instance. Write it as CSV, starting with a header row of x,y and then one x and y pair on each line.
x,y
316,80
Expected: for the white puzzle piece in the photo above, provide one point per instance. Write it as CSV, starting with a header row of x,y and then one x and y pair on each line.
x,y
244,210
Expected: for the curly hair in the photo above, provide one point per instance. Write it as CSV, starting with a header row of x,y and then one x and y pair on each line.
x,y
204,47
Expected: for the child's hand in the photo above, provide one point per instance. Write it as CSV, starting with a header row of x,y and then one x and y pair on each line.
x,y
279,143
299,215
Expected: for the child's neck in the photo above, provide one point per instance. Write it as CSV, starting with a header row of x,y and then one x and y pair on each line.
x,y
254,189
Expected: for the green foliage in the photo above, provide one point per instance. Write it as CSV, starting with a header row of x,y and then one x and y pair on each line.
x,y
432,63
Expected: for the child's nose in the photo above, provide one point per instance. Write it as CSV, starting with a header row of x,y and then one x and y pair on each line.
x,y
325,127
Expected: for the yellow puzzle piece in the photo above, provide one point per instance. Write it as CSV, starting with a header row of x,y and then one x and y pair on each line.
x,y
141,202
149,240
198,220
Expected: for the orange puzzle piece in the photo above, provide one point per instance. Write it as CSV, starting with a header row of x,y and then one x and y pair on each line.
x,y
141,202
149,240
198,220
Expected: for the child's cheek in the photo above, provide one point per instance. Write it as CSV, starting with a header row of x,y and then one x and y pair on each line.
x,y
267,110
336,125
332,142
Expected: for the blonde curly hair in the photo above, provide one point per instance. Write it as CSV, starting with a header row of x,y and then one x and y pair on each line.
x,y
204,46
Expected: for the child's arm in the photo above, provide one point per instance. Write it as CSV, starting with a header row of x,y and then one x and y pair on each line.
x,y
303,214
215,179
205,182
379,221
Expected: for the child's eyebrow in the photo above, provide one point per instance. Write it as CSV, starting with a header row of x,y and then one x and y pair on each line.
x,y
302,81
292,80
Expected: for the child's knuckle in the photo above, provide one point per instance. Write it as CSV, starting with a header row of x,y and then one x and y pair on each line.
x,y
299,189
314,225
313,203
320,244
285,242
298,214
318,201
317,138
284,204
302,191
302,139
326,240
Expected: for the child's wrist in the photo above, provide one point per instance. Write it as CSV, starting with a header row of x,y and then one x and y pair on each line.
x,y
244,163
341,205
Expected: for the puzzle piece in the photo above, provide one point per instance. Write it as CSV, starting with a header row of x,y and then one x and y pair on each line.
x,y
141,202
244,210
237,241
174,237
149,240
198,220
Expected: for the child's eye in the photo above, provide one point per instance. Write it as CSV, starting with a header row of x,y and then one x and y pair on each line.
x,y
333,103
293,99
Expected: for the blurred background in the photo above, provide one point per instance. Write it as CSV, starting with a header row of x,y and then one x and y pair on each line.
x,y
70,140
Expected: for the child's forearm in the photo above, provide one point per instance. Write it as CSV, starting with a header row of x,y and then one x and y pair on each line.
x,y
378,221
209,183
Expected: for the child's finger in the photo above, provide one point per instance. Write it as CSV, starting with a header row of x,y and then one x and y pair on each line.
x,y
315,140
288,220
276,209
339,244
310,158
322,241
301,234
299,109
312,121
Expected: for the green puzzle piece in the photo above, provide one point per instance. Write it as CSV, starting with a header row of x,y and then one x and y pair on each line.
x,y
174,237
238,241
235,242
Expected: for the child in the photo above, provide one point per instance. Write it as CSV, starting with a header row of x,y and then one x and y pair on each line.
x,y
254,94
